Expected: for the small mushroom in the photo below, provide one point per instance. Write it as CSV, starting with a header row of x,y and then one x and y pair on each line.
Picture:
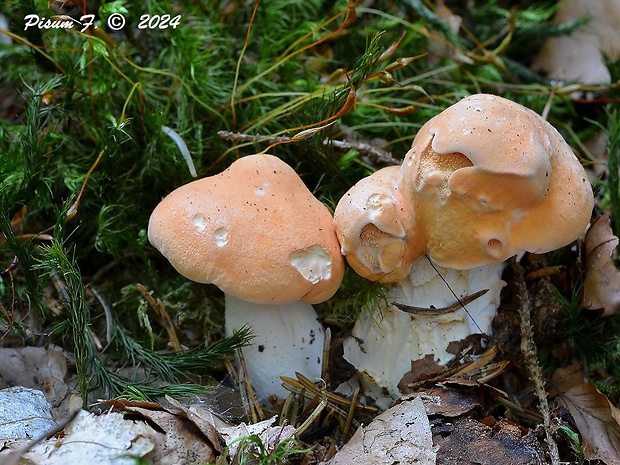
x,y
375,222
258,233
484,180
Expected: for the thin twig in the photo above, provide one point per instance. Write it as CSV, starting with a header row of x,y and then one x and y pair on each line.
x,y
530,356
527,415
301,382
253,408
239,137
542,272
381,156
107,311
160,310
347,424
313,416
327,343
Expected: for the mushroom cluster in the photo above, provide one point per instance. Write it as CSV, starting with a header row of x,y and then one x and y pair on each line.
x,y
258,233
484,180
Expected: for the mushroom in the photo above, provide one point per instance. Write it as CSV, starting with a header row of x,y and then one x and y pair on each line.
x,y
484,180
258,233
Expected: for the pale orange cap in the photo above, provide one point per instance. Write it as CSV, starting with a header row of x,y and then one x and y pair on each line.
x,y
484,179
374,222
491,178
255,231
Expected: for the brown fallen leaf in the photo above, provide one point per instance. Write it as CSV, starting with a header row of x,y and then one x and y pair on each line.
x,y
422,369
448,402
602,284
179,439
597,419
226,437
469,442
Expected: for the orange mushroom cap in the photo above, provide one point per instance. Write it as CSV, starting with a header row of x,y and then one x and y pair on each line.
x,y
491,178
373,222
254,230
484,179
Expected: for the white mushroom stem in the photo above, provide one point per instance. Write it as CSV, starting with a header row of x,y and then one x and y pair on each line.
x,y
286,339
383,345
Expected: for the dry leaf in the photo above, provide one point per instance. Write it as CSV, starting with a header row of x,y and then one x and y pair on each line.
x,y
107,439
447,402
602,284
192,434
180,442
470,442
204,420
578,57
36,368
221,434
596,418
422,369
24,413
401,434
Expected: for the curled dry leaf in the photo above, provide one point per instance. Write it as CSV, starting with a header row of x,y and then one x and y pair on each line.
x,y
191,433
602,284
597,419
223,435
401,434
181,440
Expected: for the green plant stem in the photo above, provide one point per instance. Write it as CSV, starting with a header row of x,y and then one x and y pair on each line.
x,y
64,271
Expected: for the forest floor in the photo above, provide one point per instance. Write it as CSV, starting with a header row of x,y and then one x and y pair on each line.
x,y
108,106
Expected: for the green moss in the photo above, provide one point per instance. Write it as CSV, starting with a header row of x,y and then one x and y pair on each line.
x,y
84,158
